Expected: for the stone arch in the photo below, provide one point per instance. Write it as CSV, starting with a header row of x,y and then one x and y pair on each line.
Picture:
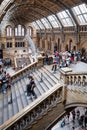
x,y
83,46
66,47
49,43
57,43
43,43
70,44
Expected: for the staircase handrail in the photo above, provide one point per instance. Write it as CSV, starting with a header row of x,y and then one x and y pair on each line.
x,y
19,116
23,69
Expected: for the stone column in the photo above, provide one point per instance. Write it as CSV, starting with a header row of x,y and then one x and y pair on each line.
x,y
52,46
46,45
64,94
41,43
13,42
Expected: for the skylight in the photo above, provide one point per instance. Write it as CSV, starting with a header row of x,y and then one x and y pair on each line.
x,y
55,23
81,13
66,18
46,23
35,25
40,24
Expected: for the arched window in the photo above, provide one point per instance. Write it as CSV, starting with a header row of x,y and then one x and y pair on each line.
x,y
9,31
30,31
19,30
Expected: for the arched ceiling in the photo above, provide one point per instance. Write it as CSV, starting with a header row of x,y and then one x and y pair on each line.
x,y
31,10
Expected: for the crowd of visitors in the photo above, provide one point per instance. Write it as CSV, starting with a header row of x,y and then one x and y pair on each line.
x,y
5,80
65,58
75,117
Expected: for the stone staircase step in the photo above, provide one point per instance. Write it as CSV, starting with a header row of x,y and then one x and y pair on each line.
x,y
24,89
46,82
22,95
14,100
10,105
19,101
56,74
50,75
1,107
48,78
42,83
23,86
39,87
28,98
5,108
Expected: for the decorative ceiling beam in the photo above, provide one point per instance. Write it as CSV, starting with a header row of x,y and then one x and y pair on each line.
x,y
38,6
1,1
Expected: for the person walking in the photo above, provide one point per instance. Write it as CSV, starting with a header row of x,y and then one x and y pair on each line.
x,y
30,87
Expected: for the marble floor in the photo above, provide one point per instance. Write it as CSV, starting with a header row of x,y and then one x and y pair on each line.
x,y
69,124
79,67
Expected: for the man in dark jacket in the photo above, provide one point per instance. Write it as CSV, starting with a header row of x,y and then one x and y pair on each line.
x,y
30,87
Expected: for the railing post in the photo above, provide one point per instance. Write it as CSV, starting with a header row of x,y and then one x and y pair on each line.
x,y
64,93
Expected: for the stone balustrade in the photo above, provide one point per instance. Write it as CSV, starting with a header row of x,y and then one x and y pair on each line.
x,y
77,79
36,110
73,78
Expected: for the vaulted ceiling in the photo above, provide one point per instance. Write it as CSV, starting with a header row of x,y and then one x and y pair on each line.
x,y
31,10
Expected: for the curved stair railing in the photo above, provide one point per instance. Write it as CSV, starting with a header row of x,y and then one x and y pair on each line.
x,y
35,111
63,94
46,101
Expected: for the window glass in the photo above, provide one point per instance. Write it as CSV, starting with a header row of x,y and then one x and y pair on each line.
x,y
81,13
34,24
22,31
66,18
81,19
85,16
40,24
30,31
9,31
76,9
15,31
19,30
55,23
46,23
83,8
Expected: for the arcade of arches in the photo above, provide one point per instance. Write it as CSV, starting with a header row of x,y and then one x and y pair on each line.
x,y
14,43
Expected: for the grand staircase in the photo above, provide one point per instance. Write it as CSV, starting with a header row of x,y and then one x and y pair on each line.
x,y
18,94
53,98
